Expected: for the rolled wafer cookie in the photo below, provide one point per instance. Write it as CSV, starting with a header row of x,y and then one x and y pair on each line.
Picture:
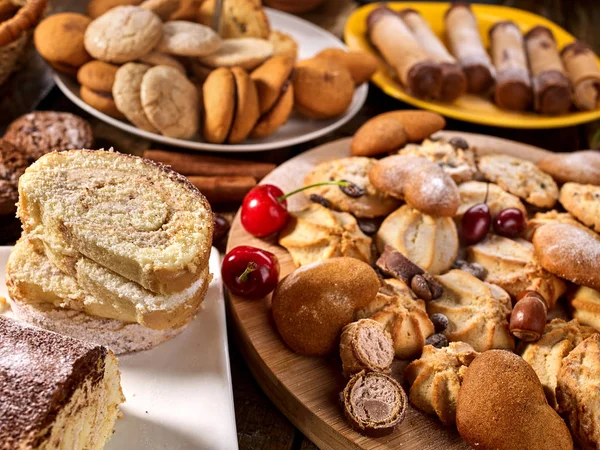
x,y
417,71
454,81
583,72
513,84
465,44
551,87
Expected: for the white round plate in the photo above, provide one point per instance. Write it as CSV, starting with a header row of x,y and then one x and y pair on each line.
x,y
311,40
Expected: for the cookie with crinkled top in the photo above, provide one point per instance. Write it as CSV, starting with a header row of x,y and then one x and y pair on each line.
x,y
583,202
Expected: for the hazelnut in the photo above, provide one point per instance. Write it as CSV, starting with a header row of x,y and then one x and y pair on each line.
x,y
528,318
420,287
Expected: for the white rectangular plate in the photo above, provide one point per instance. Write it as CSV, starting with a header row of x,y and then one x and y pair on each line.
x,y
179,394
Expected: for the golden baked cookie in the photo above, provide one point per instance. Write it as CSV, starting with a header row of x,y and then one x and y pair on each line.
x,y
162,8
97,76
585,305
512,265
521,178
218,97
276,116
362,65
403,315
457,162
96,8
123,34
429,242
183,38
188,10
583,202
323,89
170,102
161,59
577,392
246,106
546,355
284,45
241,18
542,218
356,170
102,101
247,53
59,39
477,312
270,79
579,167
569,251
436,377
316,233
474,192
127,94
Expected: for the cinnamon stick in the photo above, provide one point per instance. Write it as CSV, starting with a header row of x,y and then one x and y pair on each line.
x,y
209,166
223,189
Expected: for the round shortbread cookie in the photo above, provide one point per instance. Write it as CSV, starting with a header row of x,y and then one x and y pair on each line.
x,y
123,34
188,39
583,202
127,96
247,53
162,59
170,102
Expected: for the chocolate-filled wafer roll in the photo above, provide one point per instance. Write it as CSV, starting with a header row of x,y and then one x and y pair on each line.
x,y
454,81
551,87
465,44
419,74
513,84
583,71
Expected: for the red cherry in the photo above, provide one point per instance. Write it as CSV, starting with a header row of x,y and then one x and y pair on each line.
x,y
250,272
263,213
509,222
476,223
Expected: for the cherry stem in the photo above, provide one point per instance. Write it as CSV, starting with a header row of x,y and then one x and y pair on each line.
x,y
251,267
324,183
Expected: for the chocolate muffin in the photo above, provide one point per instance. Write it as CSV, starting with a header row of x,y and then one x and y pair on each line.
x,y
13,163
42,132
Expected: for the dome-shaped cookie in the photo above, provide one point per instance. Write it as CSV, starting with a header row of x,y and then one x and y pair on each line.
x,y
546,355
585,305
373,203
474,192
316,233
436,377
429,242
477,312
512,265
403,315
457,162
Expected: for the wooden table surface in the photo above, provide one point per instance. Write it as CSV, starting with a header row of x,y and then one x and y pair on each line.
x,y
260,425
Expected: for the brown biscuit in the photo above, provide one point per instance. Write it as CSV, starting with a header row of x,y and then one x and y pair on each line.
x,y
97,76
276,116
362,65
284,45
569,251
580,167
246,107
59,39
102,101
13,162
41,132
96,8
162,8
270,79
390,131
219,105
322,89
583,202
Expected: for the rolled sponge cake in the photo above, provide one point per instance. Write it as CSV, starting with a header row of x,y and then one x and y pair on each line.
x,y
94,290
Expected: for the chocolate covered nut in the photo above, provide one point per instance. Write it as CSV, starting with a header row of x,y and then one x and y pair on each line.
x,y
466,46
437,340
583,72
473,268
528,318
551,88
440,322
417,71
396,265
513,84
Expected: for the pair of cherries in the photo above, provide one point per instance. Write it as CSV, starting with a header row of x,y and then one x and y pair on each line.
x,y
251,272
477,221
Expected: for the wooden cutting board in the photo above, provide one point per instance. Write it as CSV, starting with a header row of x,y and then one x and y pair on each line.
x,y
306,389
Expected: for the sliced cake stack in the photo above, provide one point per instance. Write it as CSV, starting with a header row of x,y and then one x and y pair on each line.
x,y
115,249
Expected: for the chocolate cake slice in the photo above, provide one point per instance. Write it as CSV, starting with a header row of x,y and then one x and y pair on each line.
x,y
55,392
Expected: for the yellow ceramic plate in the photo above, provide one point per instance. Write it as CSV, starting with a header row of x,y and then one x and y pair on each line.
x,y
470,108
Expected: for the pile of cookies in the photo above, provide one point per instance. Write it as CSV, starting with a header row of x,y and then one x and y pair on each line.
x,y
488,265
523,72
159,65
